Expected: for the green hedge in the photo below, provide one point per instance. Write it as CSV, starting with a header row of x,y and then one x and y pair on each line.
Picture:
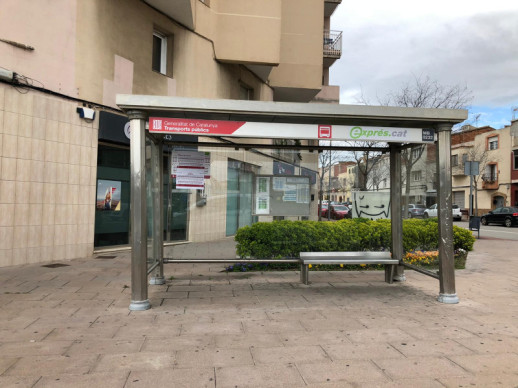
x,y
279,239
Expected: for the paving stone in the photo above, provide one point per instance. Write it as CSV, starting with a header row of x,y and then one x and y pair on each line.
x,y
289,354
134,362
367,351
27,348
488,363
350,371
88,380
18,381
482,381
419,367
270,376
435,347
268,326
173,344
46,365
106,346
179,378
213,357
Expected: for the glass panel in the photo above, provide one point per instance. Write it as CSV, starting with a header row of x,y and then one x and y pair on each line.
x,y
232,201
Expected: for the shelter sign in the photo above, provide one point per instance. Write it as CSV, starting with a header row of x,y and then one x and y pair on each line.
x,y
282,195
198,127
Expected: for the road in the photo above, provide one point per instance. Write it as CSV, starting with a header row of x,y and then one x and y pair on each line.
x,y
492,231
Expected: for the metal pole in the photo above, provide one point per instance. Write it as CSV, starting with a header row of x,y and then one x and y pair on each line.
x,y
447,292
139,295
329,199
396,220
158,210
470,192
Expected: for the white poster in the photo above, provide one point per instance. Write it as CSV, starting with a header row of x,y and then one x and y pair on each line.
x,y
190,178
262,195
185,159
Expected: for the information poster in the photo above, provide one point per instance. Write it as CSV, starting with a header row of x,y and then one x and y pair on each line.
x,y
262,195
190,168
282,196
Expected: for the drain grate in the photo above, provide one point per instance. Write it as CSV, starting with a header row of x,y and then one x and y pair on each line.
x,y
56,265
106,257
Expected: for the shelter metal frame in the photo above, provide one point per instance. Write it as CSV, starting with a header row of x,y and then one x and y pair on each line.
x,y
141,108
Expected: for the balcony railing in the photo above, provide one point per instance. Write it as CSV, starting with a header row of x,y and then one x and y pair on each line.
x,y
333,43
490,178
490,181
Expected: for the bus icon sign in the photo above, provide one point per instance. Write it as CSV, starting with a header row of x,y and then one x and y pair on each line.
x,y
324,132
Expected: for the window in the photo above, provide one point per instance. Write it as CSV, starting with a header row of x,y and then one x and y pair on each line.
x,y
515,154
492,143
416,153
454,160
159,53
416,176
491,174
246,92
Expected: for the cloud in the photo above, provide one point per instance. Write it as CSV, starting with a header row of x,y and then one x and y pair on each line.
x,y
385,47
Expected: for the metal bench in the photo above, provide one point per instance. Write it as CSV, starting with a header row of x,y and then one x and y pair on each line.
x,y
316,258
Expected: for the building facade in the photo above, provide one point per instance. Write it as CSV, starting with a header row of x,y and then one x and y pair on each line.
x,y
492,177
64,143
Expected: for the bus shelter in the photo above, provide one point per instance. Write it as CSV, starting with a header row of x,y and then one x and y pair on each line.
x,y
255,128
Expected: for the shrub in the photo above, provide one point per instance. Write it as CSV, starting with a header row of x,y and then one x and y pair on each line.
x,y
288,238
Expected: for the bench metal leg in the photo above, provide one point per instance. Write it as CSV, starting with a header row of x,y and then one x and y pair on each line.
x,y
389,273
304,274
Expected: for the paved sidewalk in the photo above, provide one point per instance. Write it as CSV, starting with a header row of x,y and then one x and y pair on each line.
x,y
70,327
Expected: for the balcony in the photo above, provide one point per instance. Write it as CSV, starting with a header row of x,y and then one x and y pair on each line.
x,y
332,47
330,6
490,181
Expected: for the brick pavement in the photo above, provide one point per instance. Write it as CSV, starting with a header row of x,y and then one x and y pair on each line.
x,y
70,326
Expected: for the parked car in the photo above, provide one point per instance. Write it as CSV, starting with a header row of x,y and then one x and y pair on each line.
x,y
322,210
415,210
507,216
339,212
432,212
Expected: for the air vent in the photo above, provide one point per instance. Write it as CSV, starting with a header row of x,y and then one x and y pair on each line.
x,y
106,257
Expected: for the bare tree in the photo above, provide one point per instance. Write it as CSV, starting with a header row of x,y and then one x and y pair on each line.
x,y
379,173
366,162
480,154
326,160
423,92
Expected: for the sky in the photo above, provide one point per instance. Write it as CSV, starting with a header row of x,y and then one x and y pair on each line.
x,y
387,44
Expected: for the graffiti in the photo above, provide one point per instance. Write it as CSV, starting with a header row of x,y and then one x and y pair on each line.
x,y
371,204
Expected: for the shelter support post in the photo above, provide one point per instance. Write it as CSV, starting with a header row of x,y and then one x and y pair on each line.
x,y
395,210
447,293
157,174
139,287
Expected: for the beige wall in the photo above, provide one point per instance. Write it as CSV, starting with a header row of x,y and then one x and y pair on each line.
x,y
248,31
49,27
48,159
301,46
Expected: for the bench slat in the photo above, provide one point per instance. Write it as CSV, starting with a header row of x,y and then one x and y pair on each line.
x,y
346,255
385,258
349,261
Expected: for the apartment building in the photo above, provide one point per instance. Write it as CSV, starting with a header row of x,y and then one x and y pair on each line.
x,y
492,181
64,144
